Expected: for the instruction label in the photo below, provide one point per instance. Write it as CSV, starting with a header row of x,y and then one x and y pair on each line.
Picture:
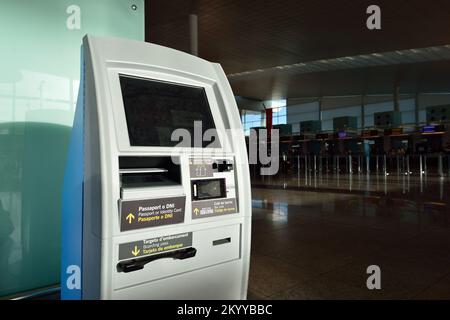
x,y
210,208
155,245
137,214
200,167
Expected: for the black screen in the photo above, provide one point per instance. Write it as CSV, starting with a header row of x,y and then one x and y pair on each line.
x,y
208,189
154,109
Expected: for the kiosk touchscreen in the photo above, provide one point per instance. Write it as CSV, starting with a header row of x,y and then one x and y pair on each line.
x,y
156,197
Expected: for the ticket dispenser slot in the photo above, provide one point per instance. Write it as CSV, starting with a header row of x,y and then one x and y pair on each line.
x,y
141,172
144,176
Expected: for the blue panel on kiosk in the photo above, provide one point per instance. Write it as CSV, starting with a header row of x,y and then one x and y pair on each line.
x,y
72,205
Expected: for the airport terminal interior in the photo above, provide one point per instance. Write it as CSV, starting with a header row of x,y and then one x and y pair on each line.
x,y
360,139
364,143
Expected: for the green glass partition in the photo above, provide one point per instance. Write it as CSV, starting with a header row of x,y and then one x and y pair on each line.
x,y
39,78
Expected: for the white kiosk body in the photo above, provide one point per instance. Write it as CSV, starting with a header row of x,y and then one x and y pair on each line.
x,y
160,220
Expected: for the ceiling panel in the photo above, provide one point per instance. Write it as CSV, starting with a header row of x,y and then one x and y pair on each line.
x,y
419,77
251,35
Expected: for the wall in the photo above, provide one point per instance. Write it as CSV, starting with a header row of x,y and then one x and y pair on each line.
x,y
302,109
297,111
39,78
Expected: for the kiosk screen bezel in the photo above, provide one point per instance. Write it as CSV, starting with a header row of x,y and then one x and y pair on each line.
x,y
142,127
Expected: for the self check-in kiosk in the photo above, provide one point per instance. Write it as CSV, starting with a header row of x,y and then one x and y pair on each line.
x,y
147,212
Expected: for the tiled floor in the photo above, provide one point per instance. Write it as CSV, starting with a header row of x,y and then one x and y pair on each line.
x,y
318,245
430,188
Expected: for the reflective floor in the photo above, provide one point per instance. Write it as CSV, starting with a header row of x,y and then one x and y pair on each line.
x,y
318,244
418,187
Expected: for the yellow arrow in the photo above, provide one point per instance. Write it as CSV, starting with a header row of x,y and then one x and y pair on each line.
x,y
136,251
130,217
196,211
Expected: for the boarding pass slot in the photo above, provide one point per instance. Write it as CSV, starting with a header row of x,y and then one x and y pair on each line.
x,y
206,255
139,264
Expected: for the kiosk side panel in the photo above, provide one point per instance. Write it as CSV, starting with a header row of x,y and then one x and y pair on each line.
x,y
72,208
92,187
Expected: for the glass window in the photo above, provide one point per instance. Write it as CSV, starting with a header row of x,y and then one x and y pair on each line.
x,y
251,119
278,111
39,84
279,115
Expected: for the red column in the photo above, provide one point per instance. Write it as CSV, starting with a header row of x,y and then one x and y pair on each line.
x,y
268,119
